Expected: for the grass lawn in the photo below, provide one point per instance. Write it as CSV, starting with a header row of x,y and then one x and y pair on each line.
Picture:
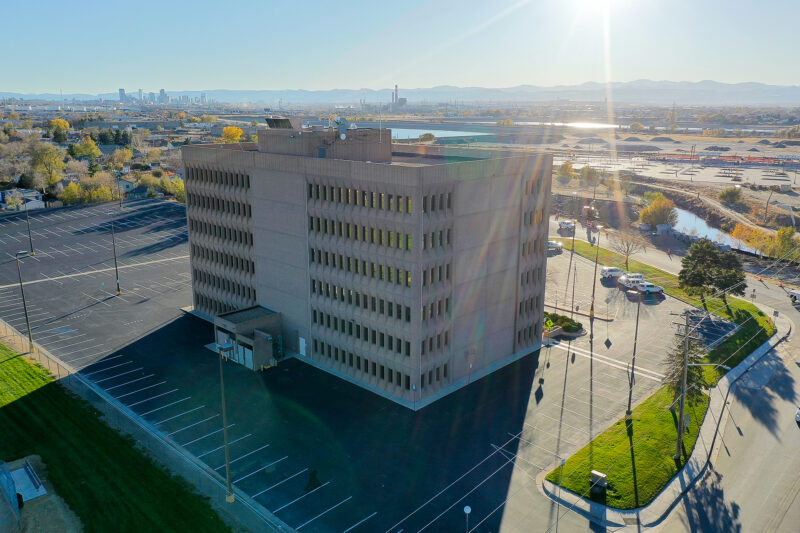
x,y
638,464
103,477
753,333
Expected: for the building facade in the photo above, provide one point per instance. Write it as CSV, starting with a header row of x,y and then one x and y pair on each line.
x,y
409,270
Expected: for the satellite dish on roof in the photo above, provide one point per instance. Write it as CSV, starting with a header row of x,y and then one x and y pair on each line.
x,y
342,136
341,124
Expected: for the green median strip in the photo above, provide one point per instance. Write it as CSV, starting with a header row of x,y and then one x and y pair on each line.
x,y
637,458
638,463
109,483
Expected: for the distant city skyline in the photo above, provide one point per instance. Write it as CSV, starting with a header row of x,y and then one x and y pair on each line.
x,y
351,45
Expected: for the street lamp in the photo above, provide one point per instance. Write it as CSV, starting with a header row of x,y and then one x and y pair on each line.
x,y
119,192
467,510
632,377
229,497
28,222
114,247
24,253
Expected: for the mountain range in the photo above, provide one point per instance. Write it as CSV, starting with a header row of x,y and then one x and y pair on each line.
x,y
635,92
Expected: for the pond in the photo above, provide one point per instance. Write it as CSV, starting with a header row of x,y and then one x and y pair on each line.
x,y
691,224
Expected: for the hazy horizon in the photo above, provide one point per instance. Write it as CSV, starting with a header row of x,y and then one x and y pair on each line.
x,y
416,44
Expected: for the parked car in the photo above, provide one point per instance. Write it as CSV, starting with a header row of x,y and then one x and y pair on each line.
x,y
567,225
630,281
797,414
794,295
554,246
611,272
649,288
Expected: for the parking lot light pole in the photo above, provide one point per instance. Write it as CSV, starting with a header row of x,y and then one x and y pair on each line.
x,y
30,238
114,247
594,281
467,510
632,377
23,253
229,497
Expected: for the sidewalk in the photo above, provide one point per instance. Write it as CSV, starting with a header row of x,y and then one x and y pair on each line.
x,y
705,452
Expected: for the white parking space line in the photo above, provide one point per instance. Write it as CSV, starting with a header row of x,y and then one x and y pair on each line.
x,y
362,521
119,375
218,448
281,508
105,360
122,364
153,397
259,469
207,435
129,382
324,512
536,428
278,483
87,357
53,344
212,417
139,390
243,456
169,405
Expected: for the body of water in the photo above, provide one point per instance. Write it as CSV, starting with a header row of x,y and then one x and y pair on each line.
x,y
408,133
691,224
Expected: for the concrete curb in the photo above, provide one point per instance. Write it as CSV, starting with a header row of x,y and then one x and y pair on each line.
x,y
596,316
704,454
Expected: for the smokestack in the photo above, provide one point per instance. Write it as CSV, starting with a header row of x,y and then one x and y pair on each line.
x,y
395,94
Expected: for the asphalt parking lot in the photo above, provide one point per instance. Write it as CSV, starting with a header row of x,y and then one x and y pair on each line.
x,y
321,454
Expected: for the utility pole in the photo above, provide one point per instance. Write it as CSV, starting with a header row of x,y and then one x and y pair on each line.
x,y
28,222
681,427
23,253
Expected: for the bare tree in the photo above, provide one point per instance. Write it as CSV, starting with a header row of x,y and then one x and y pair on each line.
x,y
627,242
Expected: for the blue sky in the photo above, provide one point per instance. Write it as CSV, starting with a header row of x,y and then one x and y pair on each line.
x,y
94,47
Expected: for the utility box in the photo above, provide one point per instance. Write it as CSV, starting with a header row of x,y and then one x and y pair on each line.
x,y
598,480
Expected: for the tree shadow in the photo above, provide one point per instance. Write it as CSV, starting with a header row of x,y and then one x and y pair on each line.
x,y
707,509
759,388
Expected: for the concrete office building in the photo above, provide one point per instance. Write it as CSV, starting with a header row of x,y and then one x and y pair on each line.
x,y
408,270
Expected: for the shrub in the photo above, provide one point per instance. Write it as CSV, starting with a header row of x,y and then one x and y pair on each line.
x,y
731,195
566,323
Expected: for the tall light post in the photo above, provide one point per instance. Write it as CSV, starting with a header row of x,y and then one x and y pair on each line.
x,y
23,253
28,222
114,248
467,510
229,497
119,192
632,377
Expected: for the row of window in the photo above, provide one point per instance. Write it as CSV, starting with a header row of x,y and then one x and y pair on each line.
x,y
351,297
533,275
362,364
230,207
529,305
204,175
529,334
364,333
436,239
532,246
435,343
361,267
377,370
534,216
233,287
355,232
435,274
224,259
221,232
212,305
361,198
436,309
442,200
